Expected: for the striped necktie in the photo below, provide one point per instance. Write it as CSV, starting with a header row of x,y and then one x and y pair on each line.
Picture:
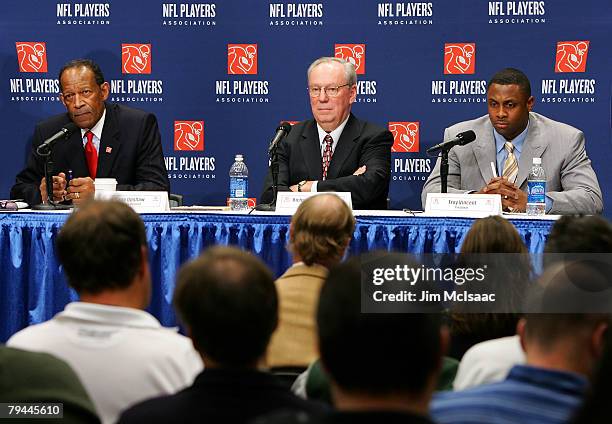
x,y
510,165
327,154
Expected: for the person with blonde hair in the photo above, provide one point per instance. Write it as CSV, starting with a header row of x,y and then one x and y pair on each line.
x,y
320,232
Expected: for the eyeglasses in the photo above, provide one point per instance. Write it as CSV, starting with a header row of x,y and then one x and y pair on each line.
x,y
330,91
8,205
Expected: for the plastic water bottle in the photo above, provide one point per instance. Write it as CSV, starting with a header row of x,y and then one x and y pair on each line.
x,y
239,184
536,189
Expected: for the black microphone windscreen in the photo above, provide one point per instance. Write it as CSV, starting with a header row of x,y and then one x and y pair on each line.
x,y
70,127
286,126
467,137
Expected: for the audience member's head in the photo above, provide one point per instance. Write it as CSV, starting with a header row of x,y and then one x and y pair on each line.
x,y
102,247
375,356
228,301
578,234
493,234
571,342
494,242
321,230
569,312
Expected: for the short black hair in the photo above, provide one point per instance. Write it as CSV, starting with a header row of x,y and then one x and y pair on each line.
x,y
88,63
509,76
547,329
580,234
100,246
374,353
228,300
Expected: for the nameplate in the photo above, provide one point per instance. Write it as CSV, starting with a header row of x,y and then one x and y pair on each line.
x,y
463,205
140,201
287,202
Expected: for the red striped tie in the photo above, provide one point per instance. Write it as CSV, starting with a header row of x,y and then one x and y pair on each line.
x,y
91,155
327,154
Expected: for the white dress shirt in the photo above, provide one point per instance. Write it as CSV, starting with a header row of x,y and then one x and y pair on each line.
x,y
96,131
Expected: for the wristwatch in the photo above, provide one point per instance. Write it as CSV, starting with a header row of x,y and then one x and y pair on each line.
x,y
300,184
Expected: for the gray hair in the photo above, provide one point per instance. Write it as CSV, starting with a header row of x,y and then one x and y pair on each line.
x,y
349,68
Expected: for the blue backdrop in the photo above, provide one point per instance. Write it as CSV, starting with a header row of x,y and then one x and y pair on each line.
x,y
422,67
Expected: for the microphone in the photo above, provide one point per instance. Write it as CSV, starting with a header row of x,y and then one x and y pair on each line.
x,y
461,139
281,131
47,145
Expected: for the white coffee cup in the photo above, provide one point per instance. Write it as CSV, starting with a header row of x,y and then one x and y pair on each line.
x,y
105,184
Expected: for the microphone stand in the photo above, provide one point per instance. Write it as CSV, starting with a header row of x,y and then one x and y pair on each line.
x,y
50,205
271,207
444,171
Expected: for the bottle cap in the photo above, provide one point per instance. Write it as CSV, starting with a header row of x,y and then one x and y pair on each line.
x,y
537,161
238,157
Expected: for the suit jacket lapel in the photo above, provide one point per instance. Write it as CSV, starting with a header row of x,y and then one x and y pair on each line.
x,y
109,145
345,146
533,147
76,158
311,150
485,152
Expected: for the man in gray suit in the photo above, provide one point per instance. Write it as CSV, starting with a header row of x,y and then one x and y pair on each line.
x,y
511,134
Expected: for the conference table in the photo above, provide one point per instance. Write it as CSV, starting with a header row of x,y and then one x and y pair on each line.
x,y
33,288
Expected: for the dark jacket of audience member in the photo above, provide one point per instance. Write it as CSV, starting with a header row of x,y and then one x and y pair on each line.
x,y
34,377
227,300
383,367
596,408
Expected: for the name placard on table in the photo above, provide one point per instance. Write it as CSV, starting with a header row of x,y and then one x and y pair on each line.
x,y
140,201
463,204
287,202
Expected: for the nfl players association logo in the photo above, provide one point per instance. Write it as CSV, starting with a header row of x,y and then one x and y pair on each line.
x,y
242,59
459,58
353,53
405,136
571,56
189,135
136,58
32,56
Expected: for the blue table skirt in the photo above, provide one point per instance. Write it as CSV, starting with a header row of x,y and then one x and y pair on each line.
x,y
33,288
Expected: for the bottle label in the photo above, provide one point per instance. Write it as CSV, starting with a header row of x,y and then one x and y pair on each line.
x,y
238,187
536,192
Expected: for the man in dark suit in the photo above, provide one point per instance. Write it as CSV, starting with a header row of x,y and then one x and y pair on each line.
x,y
227,300
335,151
112,141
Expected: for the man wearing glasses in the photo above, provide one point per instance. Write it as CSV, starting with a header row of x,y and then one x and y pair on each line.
x,y
112,141
335,151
